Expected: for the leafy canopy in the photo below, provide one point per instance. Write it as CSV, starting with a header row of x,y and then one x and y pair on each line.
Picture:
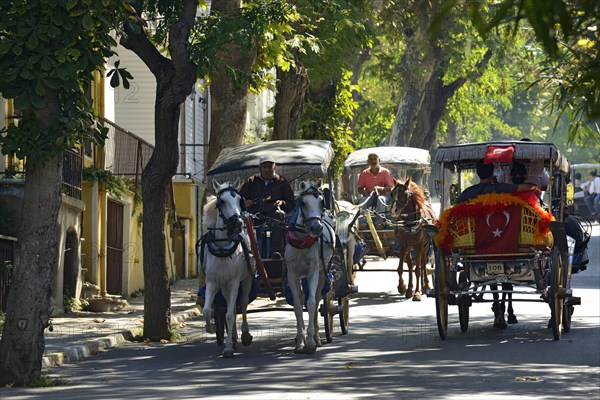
x,y
48,54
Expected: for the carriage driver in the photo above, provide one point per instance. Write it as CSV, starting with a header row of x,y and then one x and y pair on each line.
x,y
266,191
374,183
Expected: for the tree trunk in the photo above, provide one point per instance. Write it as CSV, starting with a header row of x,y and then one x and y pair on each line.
x,y
175,78
28,303
436,100
419,62
289,102
229,99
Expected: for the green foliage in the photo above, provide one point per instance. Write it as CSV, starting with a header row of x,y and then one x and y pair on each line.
x,y
568,32
2,319
116,185
45,381
48,53
330,120
72,304
261,23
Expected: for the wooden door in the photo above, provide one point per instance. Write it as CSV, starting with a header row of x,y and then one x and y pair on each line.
x,y
114,248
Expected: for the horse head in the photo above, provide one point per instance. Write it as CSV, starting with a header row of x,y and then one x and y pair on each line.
x,y
401,196
229,205
311,205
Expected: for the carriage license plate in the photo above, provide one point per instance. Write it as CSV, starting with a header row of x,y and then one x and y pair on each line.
x,y
494,268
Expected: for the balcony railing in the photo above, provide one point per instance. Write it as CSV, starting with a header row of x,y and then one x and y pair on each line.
x,y
126,153
14,173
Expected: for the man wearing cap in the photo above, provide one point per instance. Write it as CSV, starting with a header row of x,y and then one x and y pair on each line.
x,y
265,191
375,181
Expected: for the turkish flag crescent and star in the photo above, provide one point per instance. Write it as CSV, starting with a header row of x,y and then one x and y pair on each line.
x,y
499,154
498,231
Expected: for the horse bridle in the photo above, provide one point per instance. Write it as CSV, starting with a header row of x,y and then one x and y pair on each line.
x,y
311,191
231,222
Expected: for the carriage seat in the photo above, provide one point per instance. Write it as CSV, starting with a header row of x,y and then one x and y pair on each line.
x,y
495,224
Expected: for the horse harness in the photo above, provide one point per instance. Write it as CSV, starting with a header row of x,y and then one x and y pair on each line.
x,y
233,240
410,226
308,241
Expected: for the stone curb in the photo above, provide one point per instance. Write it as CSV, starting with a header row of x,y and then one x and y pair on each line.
x,y
78,352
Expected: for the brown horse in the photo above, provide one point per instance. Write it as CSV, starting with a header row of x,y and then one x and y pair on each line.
x,y
412,211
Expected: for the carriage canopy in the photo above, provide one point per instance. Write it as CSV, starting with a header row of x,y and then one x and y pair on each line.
x,y
467,155
292,157
357,160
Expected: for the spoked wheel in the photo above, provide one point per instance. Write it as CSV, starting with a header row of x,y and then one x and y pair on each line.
x,y
554,293
220,323
464,303
344,306
441,293
327,317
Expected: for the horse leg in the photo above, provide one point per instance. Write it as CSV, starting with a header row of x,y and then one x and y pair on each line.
x,y
498,309
400,269
418,276
311,306
411,267
512,318
297,296
431,261
206,311
246,286
231,293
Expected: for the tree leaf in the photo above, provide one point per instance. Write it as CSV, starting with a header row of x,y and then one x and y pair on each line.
x,y
114,81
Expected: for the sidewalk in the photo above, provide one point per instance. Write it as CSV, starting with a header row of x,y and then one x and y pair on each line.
x,y
78,335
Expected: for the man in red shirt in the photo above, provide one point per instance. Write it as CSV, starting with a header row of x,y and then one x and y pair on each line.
x,y
375,182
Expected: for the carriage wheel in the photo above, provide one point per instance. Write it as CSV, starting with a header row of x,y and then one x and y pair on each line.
x,y
554,293
327,317
441,293
344,306
219,313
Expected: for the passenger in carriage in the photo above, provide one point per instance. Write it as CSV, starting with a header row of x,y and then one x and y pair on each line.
x,y
487,184
374,184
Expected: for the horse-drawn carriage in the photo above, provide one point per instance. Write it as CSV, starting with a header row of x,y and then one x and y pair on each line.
x,y
508,244
314,250
403,162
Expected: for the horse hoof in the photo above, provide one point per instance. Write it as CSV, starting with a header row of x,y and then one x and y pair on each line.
x,y
500,325
402,290
512,319
416,297
310,349
228,353
246,339
409,294
211,329
299,350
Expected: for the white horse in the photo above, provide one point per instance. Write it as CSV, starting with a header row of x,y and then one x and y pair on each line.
x,y
308,252
227,259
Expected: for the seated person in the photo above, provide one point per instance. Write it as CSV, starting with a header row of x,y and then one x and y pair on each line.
x,y
264,193
375,182
487,184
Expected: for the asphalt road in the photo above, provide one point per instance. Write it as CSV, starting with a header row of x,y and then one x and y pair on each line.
x,y
392,351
